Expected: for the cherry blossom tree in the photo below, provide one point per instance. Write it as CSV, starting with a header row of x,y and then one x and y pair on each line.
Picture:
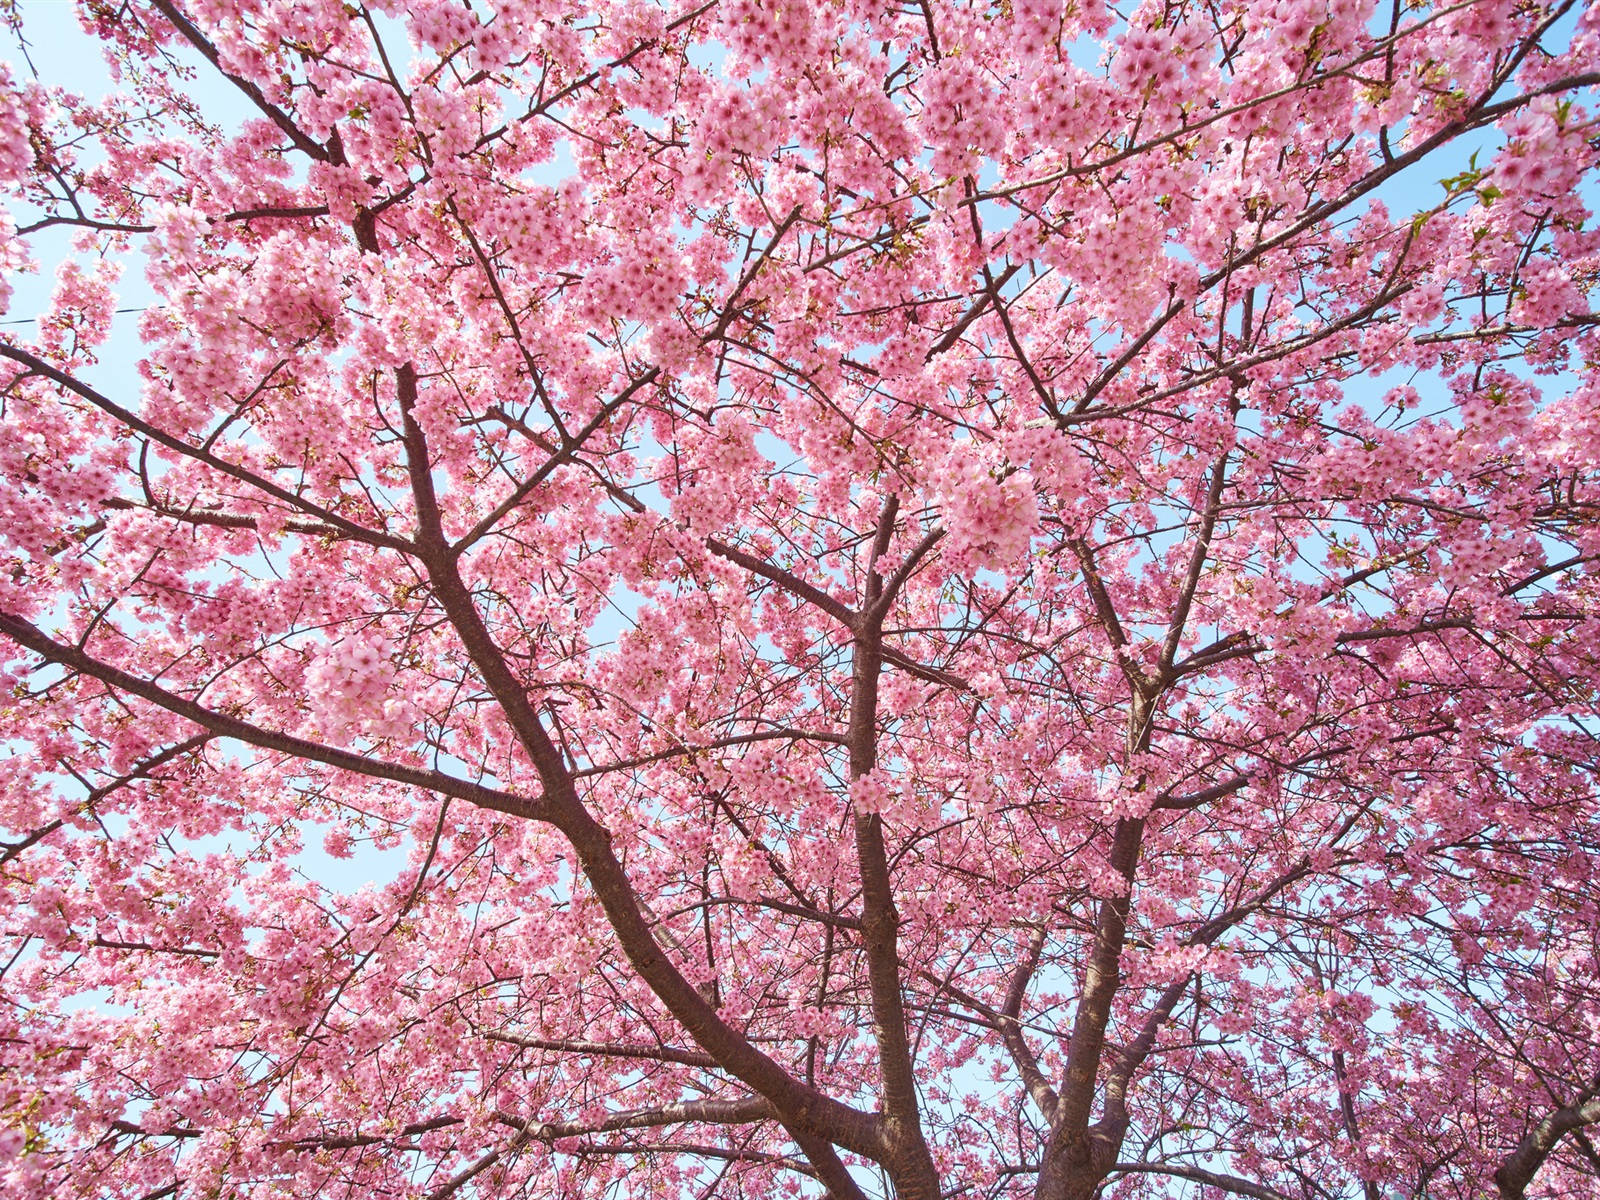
x,y
940,598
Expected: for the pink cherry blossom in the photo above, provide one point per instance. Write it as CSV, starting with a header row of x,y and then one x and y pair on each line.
x,y
772,599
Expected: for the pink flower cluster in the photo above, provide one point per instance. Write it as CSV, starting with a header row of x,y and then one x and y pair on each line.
x,y
350,688
989,511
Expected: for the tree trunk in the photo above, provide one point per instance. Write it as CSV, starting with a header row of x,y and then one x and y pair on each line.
x,y
1078,1170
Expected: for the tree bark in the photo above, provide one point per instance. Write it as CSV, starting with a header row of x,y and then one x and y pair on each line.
x,y
1523,1163
907,1158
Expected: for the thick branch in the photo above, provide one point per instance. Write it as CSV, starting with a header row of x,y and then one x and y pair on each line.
x,y
1100,982
1523,1163
807,1113
911,1166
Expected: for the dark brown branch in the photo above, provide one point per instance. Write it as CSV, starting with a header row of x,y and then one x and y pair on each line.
x,y
787,580
1197,563
815,1120
909,1162
746,739
1522,1164
743,1111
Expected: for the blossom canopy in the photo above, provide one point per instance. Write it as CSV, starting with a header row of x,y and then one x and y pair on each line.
x,y
863,598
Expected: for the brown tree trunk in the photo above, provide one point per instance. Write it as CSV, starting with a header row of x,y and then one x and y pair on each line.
x,y
1079,1168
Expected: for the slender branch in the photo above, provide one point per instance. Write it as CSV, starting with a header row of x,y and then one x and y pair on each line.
x,y
787,580
1197,563
276,115
525,488
220,724
744,739
669,1054
1010,1014
742,1111
111,408
1228,1183
140,771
